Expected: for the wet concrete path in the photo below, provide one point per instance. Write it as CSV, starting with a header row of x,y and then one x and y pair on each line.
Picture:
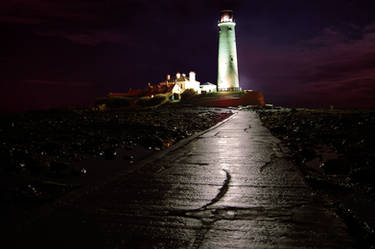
x,y
231,187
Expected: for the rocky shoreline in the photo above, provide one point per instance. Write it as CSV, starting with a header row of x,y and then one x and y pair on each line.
x,y
46,154
335,151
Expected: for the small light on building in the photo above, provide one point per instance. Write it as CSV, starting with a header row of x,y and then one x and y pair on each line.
x,y
192,76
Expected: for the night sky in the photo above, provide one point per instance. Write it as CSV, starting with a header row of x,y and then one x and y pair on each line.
x,y
298,53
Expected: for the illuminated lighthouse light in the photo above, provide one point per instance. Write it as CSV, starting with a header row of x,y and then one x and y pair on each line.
x,y
226,18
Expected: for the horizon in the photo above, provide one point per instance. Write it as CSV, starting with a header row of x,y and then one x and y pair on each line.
x,y
298,54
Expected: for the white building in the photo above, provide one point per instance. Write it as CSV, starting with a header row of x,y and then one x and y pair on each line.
x,y
208,87
183,82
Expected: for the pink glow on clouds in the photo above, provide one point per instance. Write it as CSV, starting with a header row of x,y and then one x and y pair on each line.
x,y
92,37
57,9
63,40
58,83
23,20
41,94
328,69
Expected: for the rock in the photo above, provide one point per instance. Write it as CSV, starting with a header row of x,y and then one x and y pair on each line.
x,y
336,167
364,174
128,157
60,169
110,153
308,153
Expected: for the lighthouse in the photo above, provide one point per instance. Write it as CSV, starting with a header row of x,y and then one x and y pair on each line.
x,y
227,72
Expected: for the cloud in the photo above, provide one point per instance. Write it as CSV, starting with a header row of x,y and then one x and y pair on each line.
x,y
71,20
46,9
58,83
327,37
21,95
331,65
97,37
92,37
23,20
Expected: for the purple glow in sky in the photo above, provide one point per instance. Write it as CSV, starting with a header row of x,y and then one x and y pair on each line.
x,y
299,53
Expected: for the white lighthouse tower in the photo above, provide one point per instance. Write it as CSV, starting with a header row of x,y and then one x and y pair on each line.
x,y
227,73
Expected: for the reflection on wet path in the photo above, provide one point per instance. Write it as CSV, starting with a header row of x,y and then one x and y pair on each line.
x,y
231,187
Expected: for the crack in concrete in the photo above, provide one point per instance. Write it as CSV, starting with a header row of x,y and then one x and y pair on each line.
x,y
273,156
207,216
197,163
201,234
212,215
267,164
222,191
246,129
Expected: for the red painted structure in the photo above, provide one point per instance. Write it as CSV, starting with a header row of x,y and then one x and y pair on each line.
x,y
249,98
151,90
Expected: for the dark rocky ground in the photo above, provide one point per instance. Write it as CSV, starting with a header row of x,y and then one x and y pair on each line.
x,y
335,150
45,154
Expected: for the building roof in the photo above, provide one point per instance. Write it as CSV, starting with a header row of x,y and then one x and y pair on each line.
x,y
208,84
